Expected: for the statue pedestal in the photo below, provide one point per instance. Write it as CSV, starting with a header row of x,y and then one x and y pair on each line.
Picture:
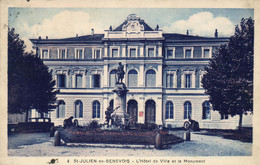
x,y
120,101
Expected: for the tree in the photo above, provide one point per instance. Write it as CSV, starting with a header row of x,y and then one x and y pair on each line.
x,y
30,84
229,76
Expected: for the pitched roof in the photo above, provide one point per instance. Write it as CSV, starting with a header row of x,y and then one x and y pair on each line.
x,y
85,38
175,36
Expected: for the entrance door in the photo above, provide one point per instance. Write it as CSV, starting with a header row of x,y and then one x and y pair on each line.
x,y
132,110
150,112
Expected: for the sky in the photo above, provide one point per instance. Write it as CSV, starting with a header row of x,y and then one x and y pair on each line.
x,y
67,22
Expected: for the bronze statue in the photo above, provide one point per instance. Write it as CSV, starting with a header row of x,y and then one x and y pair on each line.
x,y
120,73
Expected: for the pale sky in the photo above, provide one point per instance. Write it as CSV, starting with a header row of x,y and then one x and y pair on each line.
x,y
67,22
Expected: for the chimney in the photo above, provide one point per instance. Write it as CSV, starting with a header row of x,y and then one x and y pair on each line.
x,y
187,33
40,37
46,37
92,31
77,35
216,33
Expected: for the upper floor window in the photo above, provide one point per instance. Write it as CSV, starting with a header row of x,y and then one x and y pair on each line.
x,y
206,52
96,81
62,54
150,52
170,53
112,78
206,110
169,110
169,80
61,80
79,54
97,53
188,52
78,81
150,78
132,78
115,53
45,54
132,52
188,81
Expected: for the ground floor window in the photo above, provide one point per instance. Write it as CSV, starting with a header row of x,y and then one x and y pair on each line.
x,y
169,110
224,117
78,109
96,109
206,110
61,109
187,110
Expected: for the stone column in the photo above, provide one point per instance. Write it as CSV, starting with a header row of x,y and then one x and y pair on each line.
x,y
158,112
142,51
106,50
141,110
105,75
123,50
160,50
193,76
159,76
141,76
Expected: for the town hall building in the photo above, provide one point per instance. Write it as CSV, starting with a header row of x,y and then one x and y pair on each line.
x,y
163,73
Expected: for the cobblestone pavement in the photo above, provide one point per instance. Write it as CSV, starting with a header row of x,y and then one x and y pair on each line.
x,y
40,144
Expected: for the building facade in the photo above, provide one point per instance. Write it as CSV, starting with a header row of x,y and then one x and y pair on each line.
x,y
163,74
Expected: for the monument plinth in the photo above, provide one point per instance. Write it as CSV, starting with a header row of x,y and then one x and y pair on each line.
x,y
120,101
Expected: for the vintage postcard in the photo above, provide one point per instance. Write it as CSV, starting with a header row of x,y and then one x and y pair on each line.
x,y
129,82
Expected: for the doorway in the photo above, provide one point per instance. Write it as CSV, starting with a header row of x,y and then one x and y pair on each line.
x,y
150,112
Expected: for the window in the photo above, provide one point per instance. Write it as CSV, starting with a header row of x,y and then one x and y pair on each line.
x,y
79,54
132,78
169,110
188,81
78,109
206,110
78,81
188,52
97,53
61,109
45,54
187,110
150,52
115,53
224,116
96,81
150,78
62,54
169,81
170,53
112,78
61,80
96,109
206,53
132,52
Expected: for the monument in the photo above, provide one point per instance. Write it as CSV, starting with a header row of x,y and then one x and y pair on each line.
x,y
120,97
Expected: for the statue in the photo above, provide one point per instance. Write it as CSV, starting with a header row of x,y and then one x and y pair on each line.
x,y
120,73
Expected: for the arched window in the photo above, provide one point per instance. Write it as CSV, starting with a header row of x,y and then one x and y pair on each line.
x,y
61,109
96,109
187,110
112,78
132,78
78,109
169,110
150,78
206,110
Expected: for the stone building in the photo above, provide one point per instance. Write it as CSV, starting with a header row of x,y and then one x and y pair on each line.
x,y
163,74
